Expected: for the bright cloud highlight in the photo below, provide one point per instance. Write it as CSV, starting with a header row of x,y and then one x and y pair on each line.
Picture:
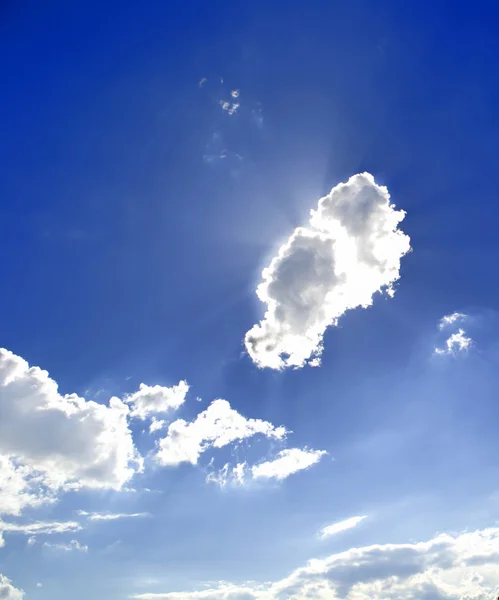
x,y
350,249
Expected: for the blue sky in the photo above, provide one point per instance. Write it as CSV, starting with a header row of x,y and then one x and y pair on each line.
x,y
154,160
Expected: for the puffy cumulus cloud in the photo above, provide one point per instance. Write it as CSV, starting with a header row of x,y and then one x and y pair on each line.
x,y
340,526
60,441
350,249
458,567
155,399
8,591
287,462
95,516
217,426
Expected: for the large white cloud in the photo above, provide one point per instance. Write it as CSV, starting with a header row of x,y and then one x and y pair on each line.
x,y
8,591
448,567
50,441
350,249
215,427
155,399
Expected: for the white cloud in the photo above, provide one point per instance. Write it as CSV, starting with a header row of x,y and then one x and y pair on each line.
x,y
95,516
20,487
340,526
350,249
457,567
457,342
8,591
288,462
60,441
156,425
215,427
39,585
154,399
73,546
451,319
37,528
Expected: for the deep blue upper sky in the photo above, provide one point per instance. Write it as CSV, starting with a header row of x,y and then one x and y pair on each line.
x,y
128,255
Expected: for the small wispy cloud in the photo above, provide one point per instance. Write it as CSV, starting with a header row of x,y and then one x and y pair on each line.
x,y
340,526
73,546
456,343
287,462
229,107
37,528
96,516
228,475
451,319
